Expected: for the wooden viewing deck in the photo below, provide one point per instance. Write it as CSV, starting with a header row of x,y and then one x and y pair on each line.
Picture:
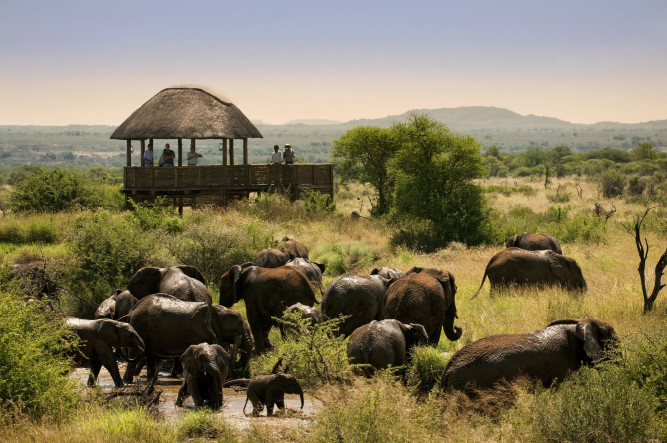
x,y
217,184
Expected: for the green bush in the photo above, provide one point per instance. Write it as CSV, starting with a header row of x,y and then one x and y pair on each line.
x,y
314,202
341,257
426,368
595,406
612,184
156,216
33,368
203,424
25,230
646,363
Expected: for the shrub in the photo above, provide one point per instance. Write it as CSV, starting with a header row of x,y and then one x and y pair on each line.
x,y
203,424
33,368
636,186
341,257
612,184
426,368
595,406
314,202
646,363
157,215
36,229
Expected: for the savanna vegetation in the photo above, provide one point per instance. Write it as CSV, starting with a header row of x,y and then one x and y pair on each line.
x,y
90,246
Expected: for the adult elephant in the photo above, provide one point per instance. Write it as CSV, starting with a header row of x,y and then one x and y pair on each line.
x,y
390,273
312,270
534,242
266,291
548,355
384,343
426,296
272,257
183,282
168,326
227,324
360,298
516,266
117,306
296,248
98,338
205,369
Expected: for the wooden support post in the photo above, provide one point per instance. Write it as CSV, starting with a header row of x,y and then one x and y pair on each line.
x,y
224,152
245,151
231,151
129,153
192,145
143,151
180,152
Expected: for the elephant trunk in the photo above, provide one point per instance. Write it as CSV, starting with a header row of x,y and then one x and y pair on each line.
x,y
452,332
139,345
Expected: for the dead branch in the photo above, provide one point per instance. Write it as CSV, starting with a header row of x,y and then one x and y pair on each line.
x,y
643,250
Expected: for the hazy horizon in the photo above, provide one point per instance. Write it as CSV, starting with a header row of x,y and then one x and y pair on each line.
x,y
77,62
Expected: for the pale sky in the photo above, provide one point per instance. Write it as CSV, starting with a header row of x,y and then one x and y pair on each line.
x,y
95,62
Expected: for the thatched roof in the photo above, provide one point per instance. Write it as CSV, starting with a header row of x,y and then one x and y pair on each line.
x,y
186,112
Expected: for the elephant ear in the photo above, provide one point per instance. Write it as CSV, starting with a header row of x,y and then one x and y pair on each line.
x,y
322,266
556,265
188,357
512,241
587,332
415,270
145,282
192,272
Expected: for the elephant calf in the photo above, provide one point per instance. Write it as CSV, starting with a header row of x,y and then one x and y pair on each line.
x,y
384,343
205,369
98,338
269,390
548,355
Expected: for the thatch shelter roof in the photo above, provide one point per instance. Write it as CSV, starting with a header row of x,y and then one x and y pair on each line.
x,y
186,112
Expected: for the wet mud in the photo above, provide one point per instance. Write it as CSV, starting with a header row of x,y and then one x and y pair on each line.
x,y
233,401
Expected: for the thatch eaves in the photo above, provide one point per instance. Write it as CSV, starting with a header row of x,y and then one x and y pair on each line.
x,y
186,112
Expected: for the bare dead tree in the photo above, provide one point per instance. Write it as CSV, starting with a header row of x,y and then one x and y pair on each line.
x,y
643,250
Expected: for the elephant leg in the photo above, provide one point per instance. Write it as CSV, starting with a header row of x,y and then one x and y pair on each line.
x,y
257,407
183,393
151,365
270,401
195,391
95,366
176,368
280,401
108,359
130,371
435,338
257,332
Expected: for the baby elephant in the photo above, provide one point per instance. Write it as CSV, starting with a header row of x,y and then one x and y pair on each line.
x,y
267,390
204,371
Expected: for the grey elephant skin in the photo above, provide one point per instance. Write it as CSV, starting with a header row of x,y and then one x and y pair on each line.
x,y
534,242
272,258
183,282
266,291
361,298
168,326
516,266
426,296
117,306
312,270
98,338
295,248
305,312
227,324
205,368
548,355
270,390
384,343
389,273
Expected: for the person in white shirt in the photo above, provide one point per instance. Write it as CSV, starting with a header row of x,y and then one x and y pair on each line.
x,y
193,157
148,156
277,157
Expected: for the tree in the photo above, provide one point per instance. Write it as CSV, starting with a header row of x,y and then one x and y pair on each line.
x,y
433,172
644,151
363,152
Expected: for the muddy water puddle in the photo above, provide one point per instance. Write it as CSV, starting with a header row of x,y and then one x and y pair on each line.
x,y
233,401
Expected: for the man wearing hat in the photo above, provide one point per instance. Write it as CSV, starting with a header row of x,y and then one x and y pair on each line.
x,y
288,154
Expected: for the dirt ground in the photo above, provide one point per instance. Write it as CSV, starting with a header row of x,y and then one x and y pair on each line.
x,y
232,409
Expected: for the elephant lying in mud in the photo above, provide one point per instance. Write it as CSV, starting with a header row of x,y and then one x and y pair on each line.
x,y
269,390
516,266
384,343
548,355
534,242
98,338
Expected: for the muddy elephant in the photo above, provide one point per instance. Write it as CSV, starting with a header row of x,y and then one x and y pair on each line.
x,y
361,298
205,368
183,282
270,390
305,312
390,273
266,291
168,326
312,270
272,258
534,242
426,296
294,247
117,306
98,338
548,355
516,266
227,324
384,343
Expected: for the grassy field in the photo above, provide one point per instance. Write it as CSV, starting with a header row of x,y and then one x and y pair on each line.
x,y
609,405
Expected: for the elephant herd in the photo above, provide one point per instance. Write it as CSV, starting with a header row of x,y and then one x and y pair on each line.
x,y
167,313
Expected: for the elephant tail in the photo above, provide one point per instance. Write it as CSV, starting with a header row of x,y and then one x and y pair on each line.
x,y
244,405
236,382
486,271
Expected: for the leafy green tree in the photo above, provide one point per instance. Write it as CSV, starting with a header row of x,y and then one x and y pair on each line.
x,y
644,151
363,152
433,171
